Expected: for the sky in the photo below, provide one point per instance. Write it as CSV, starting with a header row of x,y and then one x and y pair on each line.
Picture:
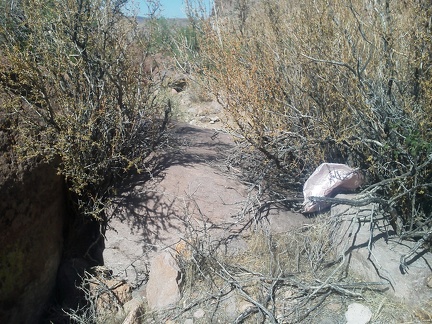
x,y
170,8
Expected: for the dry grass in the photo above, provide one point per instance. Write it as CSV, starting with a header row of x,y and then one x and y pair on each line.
x,y
275,278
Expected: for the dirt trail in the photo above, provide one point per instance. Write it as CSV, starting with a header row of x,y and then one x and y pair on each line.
x,y
192,192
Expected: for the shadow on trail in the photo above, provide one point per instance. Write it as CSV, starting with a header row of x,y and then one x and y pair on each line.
x,y
145,206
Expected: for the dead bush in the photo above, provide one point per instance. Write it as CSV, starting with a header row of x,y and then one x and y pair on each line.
x,y
318,81
275,278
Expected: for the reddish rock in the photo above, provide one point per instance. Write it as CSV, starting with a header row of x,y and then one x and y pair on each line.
x,y
32,212
164,279
134,310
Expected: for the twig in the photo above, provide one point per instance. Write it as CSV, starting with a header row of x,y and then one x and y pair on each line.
x,y
237,285
248,312
403,259
330,62
202,300
350,202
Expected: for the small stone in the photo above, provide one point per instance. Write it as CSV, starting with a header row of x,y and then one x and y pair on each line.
x,y
199,313
289,294
245,306
429,282
183,250
358,314
107,299
214,119
188,321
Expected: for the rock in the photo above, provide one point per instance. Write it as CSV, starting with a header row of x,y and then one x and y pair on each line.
x,y
164,279
214,120
69,276
429,282
134,309
382,263
229,308
199,313
110,294
184,250
358,314
244,306
326,180
32,214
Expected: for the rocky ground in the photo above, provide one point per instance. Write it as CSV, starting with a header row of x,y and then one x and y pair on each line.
x,y
172,238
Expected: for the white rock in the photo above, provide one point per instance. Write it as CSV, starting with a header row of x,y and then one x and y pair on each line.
x,y
244,305
358,314
199,313
214,120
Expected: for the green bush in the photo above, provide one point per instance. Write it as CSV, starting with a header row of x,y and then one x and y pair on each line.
x,y
75,78
315,81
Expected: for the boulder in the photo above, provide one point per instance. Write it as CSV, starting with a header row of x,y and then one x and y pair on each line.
x,y
32,212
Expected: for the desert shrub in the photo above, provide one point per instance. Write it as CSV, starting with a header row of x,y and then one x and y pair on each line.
x,y
323,81
75,77
169,34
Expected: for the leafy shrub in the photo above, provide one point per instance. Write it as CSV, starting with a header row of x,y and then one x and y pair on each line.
x,y
75,76
313,81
